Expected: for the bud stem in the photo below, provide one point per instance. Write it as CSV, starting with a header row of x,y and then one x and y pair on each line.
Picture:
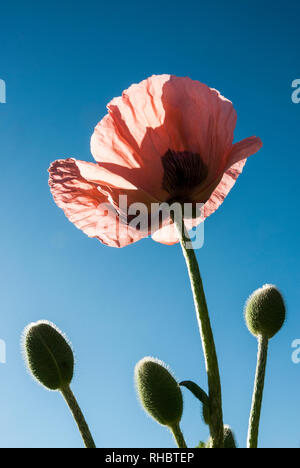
x,y
211,360
78,416
258,392
178,436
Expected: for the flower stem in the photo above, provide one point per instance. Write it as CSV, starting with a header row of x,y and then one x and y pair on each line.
x,y
178,436
78,416
211,360
258,392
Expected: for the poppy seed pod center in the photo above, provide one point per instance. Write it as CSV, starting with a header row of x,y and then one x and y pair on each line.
x,y
183,171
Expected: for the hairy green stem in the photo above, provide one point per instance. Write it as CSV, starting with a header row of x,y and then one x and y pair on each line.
x,y
258,392
178,436
211,360
78,416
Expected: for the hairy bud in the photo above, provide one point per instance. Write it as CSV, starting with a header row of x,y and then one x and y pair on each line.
x,y
48,355
265,311
229,440
158,391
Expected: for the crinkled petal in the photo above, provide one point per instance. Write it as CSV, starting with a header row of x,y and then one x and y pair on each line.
x,y
120,136
199,119
161,113
75,189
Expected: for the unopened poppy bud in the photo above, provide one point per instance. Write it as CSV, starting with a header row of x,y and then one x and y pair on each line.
x,y
265,311
229,440
158,391
48,354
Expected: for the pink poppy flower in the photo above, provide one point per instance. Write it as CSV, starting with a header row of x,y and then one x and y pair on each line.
x,y
165,139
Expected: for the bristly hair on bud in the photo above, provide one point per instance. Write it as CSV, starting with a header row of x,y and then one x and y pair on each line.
x,y
265,311
158,391
48,355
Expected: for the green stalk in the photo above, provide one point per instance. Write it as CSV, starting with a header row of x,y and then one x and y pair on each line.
x,y
258,392
178,436
78,416
211,360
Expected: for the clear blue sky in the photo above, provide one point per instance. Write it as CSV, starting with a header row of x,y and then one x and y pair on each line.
x,y
62,62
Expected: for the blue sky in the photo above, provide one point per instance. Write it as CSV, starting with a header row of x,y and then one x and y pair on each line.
x,y
62,62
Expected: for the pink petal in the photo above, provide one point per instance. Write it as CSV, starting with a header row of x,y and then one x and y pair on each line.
x,y
168,233
160,113
74,186
243,149
130,137
199,119
118,138
222,190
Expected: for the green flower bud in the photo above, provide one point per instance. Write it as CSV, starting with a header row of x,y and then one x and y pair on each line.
x,y
265,311
158,391
229,440
48,355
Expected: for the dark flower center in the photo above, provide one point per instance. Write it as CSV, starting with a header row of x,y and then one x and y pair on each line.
x,y
183,171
